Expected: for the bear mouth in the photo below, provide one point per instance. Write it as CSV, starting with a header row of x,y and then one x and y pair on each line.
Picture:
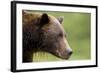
x,y
62,56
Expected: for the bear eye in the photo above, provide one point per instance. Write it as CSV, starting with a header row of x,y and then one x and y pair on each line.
x,y
61,34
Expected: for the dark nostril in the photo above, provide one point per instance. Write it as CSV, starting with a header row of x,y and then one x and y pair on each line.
x,y
70,52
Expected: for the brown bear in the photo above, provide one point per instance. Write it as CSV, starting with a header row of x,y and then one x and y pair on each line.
x,y
43,32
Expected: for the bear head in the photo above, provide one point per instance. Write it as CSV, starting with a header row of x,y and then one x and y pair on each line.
x,y
43,32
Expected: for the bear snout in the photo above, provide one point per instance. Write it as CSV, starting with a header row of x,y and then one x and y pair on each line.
x,y
66,54
69,51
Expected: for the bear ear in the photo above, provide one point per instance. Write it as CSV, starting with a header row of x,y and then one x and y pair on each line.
x,y
60,19
44,19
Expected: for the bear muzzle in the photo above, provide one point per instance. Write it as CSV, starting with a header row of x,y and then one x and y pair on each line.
x,y
64,54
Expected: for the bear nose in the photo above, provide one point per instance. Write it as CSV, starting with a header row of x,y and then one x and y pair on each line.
x,y
66,54
70,52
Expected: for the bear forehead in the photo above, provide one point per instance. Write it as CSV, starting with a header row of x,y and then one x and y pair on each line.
x,y
53,26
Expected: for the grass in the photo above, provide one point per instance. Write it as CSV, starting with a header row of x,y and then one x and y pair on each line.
x,y
43,57
81,49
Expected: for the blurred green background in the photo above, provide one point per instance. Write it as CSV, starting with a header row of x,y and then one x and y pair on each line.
x,y
77,25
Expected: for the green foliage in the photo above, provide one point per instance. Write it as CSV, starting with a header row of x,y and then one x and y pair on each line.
x,y
77,26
